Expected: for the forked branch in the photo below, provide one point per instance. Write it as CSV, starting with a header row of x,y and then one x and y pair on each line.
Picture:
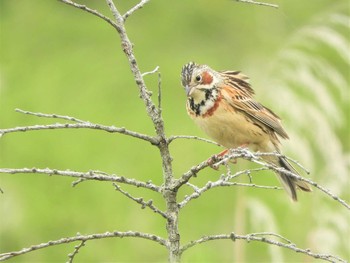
x,y
255,158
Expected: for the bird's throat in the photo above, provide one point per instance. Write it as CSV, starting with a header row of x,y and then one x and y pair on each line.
x,y
203,102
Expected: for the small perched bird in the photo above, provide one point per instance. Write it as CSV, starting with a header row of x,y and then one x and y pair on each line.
x,y
221,103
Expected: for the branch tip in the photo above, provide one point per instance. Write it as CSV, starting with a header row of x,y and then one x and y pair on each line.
x,y
258,3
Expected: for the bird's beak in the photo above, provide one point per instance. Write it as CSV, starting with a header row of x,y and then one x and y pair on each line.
x,y
188,90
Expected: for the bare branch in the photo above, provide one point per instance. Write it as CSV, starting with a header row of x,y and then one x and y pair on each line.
x,y
141,202
89,10
258,3
53,116
150,72
257,237
259,154
229,176
91,175
127,46
128,50
273,235
211,185
223,182
175,137
135,8
191,173
75,252
81,125
84,238
159,93
156,70
254,157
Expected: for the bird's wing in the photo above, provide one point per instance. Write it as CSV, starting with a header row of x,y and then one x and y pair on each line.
x,y
238,80
243,101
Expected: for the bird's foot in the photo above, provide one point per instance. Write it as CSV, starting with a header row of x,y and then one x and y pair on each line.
x,y
214,161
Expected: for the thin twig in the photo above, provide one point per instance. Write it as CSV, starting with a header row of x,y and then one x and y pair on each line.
x,y
272,234
76,251
156,70
144,92
191,173
257,237
220,183
150,72
259,154
76,182
135,8
230,176
89,10
190,137
53,116
254,157
84,238
141,202
83,125
91,175
159,93
257,3
128,50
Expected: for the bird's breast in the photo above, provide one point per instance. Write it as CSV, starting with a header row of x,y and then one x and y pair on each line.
x,y
228,126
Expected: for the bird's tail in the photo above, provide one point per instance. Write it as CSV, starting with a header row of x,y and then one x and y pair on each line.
x,y
291,184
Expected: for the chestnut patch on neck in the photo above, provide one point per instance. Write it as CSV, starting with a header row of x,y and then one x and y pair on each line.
x,y
207,78
211,111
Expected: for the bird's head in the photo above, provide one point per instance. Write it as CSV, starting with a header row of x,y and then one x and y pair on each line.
x,y
197,79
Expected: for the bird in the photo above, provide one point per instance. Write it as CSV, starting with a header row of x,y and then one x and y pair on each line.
x,y
222,104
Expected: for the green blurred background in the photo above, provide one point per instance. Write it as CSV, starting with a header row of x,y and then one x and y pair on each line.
x,y
57,59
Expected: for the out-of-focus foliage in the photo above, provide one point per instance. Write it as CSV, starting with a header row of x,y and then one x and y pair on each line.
x,y
56,59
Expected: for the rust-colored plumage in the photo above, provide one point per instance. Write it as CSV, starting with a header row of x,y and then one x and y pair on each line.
x,y
221,103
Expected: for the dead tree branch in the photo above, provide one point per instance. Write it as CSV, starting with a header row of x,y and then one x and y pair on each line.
x,y
135,8
223,182
91,175
76,251
79,125
261,237
257,3
141,202
83,238
255,158
175,137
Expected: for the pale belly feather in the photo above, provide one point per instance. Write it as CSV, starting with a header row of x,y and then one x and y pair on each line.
x,y
232,129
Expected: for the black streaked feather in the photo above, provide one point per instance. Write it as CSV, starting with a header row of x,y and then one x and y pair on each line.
x,y
239,81
287,180
186,73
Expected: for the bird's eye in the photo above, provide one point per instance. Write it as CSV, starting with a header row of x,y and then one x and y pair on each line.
x,y
198,78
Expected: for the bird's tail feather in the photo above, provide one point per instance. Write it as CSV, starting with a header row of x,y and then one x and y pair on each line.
x,y
291,184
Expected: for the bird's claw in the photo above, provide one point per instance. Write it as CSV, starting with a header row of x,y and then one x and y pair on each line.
x,y
214,161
